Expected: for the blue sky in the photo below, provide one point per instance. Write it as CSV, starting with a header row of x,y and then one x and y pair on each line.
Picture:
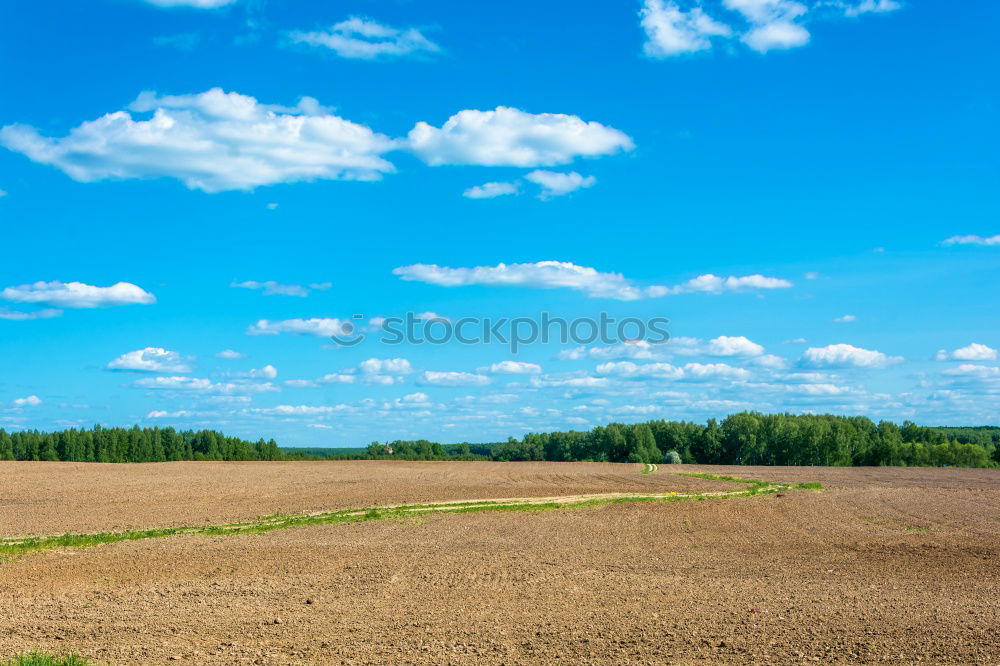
x,y
185,177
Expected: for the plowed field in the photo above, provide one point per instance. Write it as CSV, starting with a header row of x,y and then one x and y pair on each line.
x,y
883,565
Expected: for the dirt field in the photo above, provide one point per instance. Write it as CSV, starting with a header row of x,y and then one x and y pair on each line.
x,y
885,565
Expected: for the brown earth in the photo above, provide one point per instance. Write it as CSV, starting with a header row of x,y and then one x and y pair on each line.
x,y
885,565
54,498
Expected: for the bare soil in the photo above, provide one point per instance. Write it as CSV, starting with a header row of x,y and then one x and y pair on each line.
x,y
885,565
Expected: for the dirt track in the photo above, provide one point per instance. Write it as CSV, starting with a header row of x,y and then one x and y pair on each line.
x,y
886,565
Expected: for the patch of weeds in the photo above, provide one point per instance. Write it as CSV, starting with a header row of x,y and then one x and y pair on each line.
x,y
45,659
916,528
408,513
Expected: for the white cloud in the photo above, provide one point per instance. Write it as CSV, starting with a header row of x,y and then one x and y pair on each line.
x,y
163,414
383,366
317,326
974,371
212,141
639,349
511,137
869,7
196,385
776,35
560,274
197,4
267,372
772,22
672,31
771,361
30,401
367,39
453,378
549,381
301,383
973,352
733,345
843,355
78,294
336,378
490,190
716,285
699,371
972,240
690,371
556,184
846,319
230,354
151,359
15,315
300,410
3,193
631,370
272,288
512,368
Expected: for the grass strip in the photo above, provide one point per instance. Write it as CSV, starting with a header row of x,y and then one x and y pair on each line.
x,y
12,547
45,659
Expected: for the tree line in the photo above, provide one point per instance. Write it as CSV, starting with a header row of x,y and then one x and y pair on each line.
x,y
752,438
118,445
747,438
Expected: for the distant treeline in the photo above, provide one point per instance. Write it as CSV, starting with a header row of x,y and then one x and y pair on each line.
x,y
748,438
133,445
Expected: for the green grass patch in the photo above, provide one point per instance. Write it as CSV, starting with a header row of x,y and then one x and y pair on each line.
x,y
45,659
15,547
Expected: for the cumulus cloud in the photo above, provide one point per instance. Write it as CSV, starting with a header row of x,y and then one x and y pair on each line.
x,y
29,401
972,240
972,352
453,378
630,370
196,385
773,23
510,137
490,190
385,366
869,7
843,355
272,288
512,368
672,31
762,25
230,354
318,327
716,285
723,345
151,359
639,349
561,274
367,39
690,371
212,141
15,315
300,410
77,294
555,184
584,382
974,371
846,319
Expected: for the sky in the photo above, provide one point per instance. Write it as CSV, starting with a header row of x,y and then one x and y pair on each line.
x,y
212,212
